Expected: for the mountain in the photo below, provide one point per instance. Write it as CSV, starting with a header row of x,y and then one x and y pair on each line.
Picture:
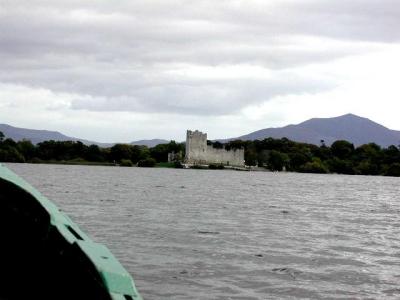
x,y
38,136
348,127
149,143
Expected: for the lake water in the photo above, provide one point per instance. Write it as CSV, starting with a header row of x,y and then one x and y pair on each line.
x,y
198,234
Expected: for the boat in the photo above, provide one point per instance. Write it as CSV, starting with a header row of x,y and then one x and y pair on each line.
x,y
44,255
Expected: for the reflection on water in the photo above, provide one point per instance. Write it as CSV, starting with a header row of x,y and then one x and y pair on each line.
x,y
195,234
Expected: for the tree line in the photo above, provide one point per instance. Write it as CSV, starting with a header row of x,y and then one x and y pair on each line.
x,y
341,157
79,153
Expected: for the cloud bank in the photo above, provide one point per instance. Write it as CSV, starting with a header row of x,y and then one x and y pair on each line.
x,y
206,59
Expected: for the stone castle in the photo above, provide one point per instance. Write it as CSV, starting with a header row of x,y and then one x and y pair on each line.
x,y
199,153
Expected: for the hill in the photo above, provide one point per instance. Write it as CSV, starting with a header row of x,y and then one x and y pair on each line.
x,y
38,136
352,128
149,143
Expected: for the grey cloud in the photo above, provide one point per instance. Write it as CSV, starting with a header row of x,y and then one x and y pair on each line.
x,y
117,55
223,97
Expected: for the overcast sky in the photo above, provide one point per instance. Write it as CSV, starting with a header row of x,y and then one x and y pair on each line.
x,y
118,71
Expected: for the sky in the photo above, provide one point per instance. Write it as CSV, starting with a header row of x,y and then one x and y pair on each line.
x,y
118,71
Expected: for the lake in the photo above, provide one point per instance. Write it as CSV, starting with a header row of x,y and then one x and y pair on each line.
x,y
199,234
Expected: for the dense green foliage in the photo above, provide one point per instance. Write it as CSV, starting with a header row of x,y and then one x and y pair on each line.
x,y
274,154
341,157
79,153
126,163
147,163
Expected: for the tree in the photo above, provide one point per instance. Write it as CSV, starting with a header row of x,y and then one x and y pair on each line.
x,y
46,150
323,152
315,166
9,143
27,149
366,167
393,170
297,160
93,153
218,145
139,153
262,157
126,163
391,155
342,149
120,151
78,149
340,166
2,136
11,155
160,152
250,156
236,144
147,163
277,160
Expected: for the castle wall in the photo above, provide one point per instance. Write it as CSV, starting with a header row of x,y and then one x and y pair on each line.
x,y
234,157
198,152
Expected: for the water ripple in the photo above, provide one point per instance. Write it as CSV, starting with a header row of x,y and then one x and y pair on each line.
x,y
188,234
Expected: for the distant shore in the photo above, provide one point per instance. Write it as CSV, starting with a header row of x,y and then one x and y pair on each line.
x,y
270,154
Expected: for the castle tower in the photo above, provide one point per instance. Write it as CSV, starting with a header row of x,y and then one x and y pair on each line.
x,y
196,147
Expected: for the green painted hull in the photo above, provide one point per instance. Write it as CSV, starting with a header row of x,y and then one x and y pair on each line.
x,y
46,256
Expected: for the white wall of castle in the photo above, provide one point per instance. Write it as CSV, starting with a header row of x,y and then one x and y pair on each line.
x,y
198,152
234,157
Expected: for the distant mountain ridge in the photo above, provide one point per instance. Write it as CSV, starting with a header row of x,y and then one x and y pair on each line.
x,y
355,129
149,143
38,136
